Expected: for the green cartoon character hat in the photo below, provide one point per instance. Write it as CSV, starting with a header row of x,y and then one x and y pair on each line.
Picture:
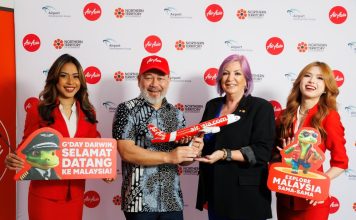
x,y
40,152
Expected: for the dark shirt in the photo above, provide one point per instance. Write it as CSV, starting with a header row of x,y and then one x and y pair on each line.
x,y
148,188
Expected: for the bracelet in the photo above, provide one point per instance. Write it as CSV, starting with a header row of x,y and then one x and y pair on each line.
x,y
225,154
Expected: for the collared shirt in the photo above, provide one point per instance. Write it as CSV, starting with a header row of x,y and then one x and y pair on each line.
x,y
72,121
148,188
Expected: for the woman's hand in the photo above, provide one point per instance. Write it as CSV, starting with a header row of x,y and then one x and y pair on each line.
x,y
212,158
314,203
14,162
285,142
108,180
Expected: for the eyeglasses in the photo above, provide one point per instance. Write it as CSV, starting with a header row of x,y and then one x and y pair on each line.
x,y
306,134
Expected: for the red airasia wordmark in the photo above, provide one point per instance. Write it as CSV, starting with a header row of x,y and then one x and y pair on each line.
x,y
31,42
214,13
339,77
153,44
274,45
338,15
92,74
92,11
210,76
91,199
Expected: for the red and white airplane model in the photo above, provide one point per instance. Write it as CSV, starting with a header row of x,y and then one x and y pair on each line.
x,y
211,126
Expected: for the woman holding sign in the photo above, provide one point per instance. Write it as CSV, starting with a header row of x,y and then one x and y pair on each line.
x,y
312,103
64,106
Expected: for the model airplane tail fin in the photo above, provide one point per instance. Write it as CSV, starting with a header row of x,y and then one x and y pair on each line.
x,y
158,135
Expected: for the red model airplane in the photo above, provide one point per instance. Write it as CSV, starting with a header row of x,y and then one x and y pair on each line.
x,y
211,126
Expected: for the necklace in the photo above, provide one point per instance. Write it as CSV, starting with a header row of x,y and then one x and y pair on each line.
x,y
303,113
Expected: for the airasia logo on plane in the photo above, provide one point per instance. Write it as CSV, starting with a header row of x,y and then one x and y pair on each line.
x,y
92,74
91,199
338,15
277,108
31,42
339,77
214,13
210,76
153,44
275,45
334,205
92,11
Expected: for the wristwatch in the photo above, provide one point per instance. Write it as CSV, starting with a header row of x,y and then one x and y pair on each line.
x,y
228,155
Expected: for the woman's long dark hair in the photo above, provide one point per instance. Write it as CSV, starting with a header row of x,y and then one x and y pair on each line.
x,y
48,96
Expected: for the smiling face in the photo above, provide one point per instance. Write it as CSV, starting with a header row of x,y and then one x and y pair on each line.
x,y
68,82
153,86
312,84
233,81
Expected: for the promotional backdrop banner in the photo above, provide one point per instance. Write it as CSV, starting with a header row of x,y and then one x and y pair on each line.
x,y
110,38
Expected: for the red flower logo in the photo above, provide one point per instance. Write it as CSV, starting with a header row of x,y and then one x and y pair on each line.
x,y
119,76
354,206
302,47
58,44
117,200
180,107
119,12
241,14
180,45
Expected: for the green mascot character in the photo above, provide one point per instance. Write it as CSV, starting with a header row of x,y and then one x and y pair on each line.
x,y
41,155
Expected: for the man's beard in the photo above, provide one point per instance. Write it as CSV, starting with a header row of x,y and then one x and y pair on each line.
x,y
152,101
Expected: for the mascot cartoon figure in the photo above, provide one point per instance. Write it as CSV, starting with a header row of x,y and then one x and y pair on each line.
x,y
303,154
41,155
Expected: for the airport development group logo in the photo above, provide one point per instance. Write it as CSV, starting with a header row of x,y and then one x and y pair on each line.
x,y
235,46
351,110
274,45
174,13
339,77
53,12
338,15
152,44
112,44
214,13
92,74
31,42
110,106
291,76
92,11
352,46
297,15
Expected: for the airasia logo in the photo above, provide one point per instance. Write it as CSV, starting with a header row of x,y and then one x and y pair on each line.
x,y
31,42
92,11
92,74
210,76
153,44
338,15
30,102
274,45
5,145
214,13
339,77
91,199
334,205
277,108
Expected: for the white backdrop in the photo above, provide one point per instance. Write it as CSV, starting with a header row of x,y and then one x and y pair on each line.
x,y
278,37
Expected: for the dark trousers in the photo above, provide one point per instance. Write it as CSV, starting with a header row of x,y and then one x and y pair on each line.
x,y
178,215
213,216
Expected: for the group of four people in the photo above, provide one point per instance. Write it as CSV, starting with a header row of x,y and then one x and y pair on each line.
x,y
233,166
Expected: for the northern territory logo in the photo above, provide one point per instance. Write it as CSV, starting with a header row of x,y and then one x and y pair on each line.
x,y
303,47
68,44
243,14
128,12
189,45
112,44
53,12
174,13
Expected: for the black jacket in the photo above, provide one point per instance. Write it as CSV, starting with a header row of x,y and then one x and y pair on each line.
x,y
239,189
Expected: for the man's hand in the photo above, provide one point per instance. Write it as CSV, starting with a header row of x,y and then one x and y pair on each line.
x,y
14,162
